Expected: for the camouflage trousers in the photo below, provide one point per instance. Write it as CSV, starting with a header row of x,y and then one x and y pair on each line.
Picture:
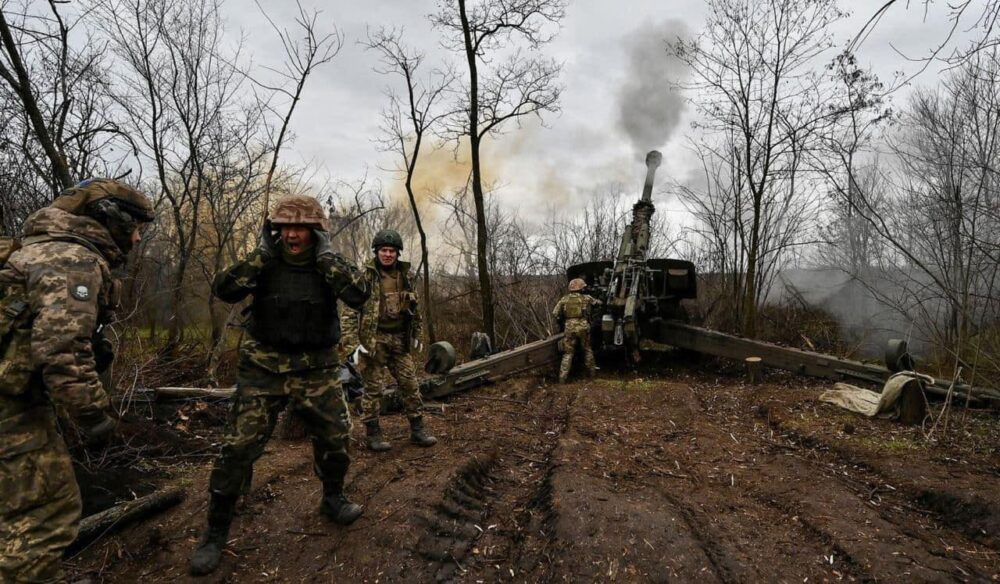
x,y
315,396
577,335
392,356
39,501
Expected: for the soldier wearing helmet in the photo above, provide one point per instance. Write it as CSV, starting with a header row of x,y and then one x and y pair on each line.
x,y
289,358
574,311
386,329
57,293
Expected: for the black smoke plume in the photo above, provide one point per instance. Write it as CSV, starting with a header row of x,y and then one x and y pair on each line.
x,y
649,104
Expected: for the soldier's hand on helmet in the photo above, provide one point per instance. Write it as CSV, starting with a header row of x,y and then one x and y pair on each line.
x,y
96,428
325,256
267,247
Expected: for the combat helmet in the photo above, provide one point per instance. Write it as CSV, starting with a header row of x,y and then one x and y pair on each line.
x,y
299,210
387,238
116,205
577,284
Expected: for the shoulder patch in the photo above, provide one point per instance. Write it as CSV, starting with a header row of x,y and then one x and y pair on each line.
x,y
79,291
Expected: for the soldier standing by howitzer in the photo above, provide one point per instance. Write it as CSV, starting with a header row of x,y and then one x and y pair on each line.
x,y
56,294
289,356
574,310
386,329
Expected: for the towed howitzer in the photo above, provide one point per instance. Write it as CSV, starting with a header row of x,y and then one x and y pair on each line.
x,y
643,312
639,293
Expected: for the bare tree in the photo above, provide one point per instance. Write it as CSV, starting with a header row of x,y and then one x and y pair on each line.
x,y
936,216
962,16
14,72
185,105
302,58
54,108
754,70
504,85
406,121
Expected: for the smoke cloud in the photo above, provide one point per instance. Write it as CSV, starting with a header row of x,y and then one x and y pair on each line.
x,y
649,106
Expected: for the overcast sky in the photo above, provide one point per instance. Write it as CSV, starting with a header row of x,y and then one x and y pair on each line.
x,y
601,42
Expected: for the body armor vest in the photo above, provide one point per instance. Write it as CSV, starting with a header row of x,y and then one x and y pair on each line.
x,y
576,306
294,309
392,305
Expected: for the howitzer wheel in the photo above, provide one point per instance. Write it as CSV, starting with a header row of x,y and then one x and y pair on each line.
x,y
440,358
897,356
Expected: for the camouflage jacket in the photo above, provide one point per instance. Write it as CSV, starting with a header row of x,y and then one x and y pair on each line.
x,y
62,278
361,327
575,306
239,281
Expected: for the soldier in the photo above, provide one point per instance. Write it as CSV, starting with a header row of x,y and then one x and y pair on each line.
x,y
56,293
574,310
386,329
289,357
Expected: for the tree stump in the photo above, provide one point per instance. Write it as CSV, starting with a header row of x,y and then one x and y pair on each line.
x,y
753,369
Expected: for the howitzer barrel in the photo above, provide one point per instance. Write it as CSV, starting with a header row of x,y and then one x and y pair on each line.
x,y
653,160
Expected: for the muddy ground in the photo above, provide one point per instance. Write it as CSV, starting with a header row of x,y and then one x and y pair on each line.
x,y
680,475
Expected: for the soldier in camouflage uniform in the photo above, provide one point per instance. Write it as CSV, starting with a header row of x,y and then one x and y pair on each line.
x,y
574,309
386,329
56,293
289,357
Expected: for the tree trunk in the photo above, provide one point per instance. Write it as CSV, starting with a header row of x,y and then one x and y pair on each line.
x,y
482,234
22,86
750,285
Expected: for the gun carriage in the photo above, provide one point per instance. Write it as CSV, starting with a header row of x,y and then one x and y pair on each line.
x,y
642,312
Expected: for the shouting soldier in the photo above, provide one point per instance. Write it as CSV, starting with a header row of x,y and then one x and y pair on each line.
x,y
387,328
289,357
574,310
56,294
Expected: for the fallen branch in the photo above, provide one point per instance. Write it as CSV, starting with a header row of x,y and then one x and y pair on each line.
x,y
114,518
191,392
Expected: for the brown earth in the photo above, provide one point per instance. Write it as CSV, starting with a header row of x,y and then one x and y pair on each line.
x,y
676,476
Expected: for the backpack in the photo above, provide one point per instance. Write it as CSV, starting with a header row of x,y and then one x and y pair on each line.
x,y
577,307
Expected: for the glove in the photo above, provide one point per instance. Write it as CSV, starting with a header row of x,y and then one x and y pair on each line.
x,y
351,382
267,247
96,427
325,256
417,345
355,357
104,352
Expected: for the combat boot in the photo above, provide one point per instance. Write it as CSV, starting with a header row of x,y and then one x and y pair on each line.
x,y
206,556
376,443
417,434
337,506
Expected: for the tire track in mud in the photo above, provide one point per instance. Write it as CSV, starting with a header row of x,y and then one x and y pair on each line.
x,y
973,518
453,525
734,529
491,518
831,496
